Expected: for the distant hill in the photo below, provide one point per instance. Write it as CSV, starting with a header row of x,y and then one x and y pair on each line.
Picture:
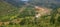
x,y
45,3
17,3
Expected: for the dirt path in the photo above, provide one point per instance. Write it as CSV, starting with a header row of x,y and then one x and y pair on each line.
x,y
22,9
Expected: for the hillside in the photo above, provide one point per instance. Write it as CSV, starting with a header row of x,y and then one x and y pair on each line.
x,y
35,13
7,10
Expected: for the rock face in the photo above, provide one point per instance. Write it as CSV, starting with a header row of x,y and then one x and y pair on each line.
x,y
41,11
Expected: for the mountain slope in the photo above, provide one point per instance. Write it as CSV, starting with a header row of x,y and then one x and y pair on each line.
x,y
7,10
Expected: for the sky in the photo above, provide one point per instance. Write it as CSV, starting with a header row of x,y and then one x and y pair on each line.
x,y
24,0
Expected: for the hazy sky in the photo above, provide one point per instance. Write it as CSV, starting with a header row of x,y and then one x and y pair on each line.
x,y
24,0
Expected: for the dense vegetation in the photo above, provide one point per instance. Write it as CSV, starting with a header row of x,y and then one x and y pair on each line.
x,y
10,16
